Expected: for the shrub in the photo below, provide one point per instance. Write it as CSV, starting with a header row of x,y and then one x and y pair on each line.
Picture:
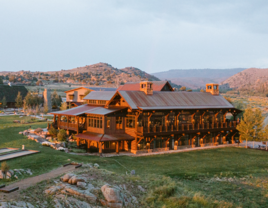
x,y
4,167
62,135
53,132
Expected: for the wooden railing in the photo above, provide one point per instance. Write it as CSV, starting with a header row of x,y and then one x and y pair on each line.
x,y
65,125
185,127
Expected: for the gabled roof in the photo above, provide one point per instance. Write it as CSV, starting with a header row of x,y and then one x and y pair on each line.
x,y
94,89
100,95
135,86
173,100
87,109
11,92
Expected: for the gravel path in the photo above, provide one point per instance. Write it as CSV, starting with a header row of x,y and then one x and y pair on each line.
x,y
25,183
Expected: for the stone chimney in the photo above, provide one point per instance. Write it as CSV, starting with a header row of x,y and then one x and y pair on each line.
x,y
47,98
213,89
146,87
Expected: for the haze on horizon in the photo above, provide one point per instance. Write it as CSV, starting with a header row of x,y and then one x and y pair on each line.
x,y
152,35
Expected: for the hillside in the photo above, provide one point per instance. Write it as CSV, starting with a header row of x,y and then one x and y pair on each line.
x,y
249,79
100,74
196,78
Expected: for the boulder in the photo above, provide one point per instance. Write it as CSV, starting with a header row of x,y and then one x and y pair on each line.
x,y
81,184
73,180
9,174
96,165
132,172
66,177
72,190
111,194
53,189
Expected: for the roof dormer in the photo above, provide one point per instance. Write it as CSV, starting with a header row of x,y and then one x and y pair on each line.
x,y
213,89
146,87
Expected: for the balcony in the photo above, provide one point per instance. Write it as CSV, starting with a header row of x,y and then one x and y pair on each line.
x,y
185,127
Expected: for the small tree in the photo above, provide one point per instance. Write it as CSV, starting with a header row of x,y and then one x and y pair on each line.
x,y
63,106
62,135
4,102
45,109
251,126
37,110
4,167
1,80
19,101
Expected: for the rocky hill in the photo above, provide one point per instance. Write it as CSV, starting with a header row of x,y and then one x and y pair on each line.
x,y
197,78
249,79
100,74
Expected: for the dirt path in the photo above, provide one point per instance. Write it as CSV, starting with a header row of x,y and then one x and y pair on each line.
x,y
25,183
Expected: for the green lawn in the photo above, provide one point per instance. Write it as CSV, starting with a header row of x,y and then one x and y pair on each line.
x,y
244,172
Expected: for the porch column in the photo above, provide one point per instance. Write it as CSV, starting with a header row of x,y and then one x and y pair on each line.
x,y
77,142
88,144
117,147
54,119
100,148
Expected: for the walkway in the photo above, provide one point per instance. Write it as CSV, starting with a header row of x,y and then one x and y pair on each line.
x,y
25,183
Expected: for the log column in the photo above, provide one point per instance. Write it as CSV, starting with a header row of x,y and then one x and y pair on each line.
x,y
117,148
77,142
100,148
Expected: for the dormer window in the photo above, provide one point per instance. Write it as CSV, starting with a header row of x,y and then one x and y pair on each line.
x,y
71,97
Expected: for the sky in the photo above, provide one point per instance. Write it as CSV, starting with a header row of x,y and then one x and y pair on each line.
x,y
153,35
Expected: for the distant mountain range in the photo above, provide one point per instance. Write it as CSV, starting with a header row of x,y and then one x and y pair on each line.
x,y
196,78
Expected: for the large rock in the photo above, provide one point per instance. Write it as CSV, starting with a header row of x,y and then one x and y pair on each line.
x,y
81,184
111,194
80,204
66,177
53,189
73,180
71,190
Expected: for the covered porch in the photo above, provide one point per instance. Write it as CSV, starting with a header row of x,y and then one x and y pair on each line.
x,y
104,143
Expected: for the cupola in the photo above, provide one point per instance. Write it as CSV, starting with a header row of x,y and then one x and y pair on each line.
x,y
213,89
146,87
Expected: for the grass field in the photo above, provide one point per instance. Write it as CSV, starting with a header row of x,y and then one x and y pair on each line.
x,y
224,177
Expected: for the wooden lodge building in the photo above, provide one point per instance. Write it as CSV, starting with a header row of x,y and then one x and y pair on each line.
x,y
150,118
75,97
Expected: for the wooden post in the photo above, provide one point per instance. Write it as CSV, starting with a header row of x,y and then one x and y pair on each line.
x,y
100,148
54,119
117,147
88,144
77,142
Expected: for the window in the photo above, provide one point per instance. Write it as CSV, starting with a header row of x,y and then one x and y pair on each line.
x,y
102,102
108,122
130,122
95,122
71,97
209,87
119,121
215,87
81,97
92,101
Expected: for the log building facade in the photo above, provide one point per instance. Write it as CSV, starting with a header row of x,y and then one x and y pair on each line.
x,y
150,118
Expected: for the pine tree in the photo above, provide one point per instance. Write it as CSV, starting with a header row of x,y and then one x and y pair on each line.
x,y
251,126
19,101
